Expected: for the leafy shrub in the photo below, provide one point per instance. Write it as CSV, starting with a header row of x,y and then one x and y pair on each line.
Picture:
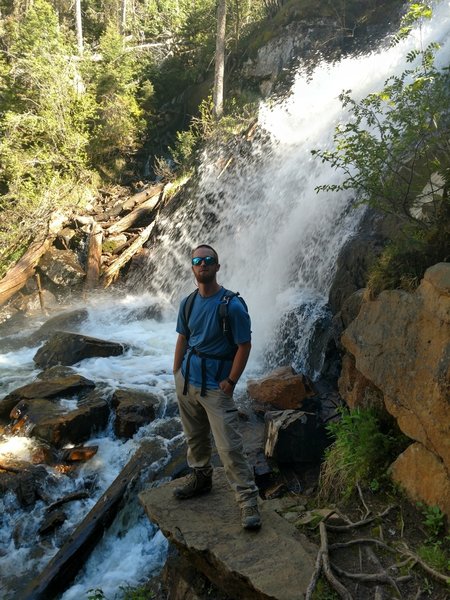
x,y
363,448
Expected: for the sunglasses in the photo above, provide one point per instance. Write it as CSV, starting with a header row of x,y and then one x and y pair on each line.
x,y
208,260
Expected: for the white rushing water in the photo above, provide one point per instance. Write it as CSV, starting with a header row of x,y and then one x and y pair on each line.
x,y
278,241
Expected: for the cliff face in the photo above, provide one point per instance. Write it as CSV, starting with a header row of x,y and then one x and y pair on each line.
x,y
398,352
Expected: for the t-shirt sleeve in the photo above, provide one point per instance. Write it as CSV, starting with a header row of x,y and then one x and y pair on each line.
x,y
181,322
239,321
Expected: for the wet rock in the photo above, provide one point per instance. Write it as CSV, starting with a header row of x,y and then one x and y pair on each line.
x,y
53,520
45,388
30,304
24,480
64,321
359,254
61,267
57,372
133,410
54,423
44,454
169,428
66,348
79,453
245,565
282,388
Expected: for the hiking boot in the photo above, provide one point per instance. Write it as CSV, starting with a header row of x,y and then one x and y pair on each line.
x,y
250,517
198,482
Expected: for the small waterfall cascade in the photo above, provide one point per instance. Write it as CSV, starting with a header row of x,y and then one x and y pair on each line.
x,y
277,238
278,241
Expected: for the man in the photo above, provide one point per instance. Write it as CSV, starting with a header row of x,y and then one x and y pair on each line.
x,y
207,366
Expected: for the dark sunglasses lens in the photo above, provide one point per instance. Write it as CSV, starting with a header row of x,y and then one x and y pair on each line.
x,y
208,260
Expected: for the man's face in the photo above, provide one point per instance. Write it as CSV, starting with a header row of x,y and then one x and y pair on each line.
x,y
204,273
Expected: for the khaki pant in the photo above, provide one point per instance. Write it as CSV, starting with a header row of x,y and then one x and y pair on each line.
x,y
215,412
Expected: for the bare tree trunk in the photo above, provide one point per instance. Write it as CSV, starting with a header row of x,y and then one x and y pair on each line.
x,y
79,26
123,17
220,58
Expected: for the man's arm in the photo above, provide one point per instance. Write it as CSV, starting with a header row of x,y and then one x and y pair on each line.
x,y
237,368
180,349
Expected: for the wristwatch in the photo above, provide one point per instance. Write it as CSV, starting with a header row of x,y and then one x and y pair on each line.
x,y
231,382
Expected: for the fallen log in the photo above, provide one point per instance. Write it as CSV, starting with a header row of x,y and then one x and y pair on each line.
x,y
17,276
140,197
112,272
63,567
80,495
94,256
143,210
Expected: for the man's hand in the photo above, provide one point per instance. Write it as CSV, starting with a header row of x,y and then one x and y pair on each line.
x,y
226,387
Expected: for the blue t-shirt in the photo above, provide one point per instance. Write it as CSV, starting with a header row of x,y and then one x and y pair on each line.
x,y
206,335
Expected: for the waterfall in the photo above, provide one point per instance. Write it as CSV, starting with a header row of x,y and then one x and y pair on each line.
x,y
278,239
278,242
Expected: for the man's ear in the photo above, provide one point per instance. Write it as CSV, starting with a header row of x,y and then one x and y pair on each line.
x,y
218,267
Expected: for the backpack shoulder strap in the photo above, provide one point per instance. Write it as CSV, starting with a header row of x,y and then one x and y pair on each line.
x,y
228,295
187,309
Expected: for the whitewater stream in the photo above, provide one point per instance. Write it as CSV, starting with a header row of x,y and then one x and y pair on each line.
x,y
278,242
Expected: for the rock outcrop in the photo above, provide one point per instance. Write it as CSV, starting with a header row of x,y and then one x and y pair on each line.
x,y
282,388
275,562
64,348
400,344
133,410
58,385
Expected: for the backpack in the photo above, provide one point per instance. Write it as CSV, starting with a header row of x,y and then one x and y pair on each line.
x,y
228,295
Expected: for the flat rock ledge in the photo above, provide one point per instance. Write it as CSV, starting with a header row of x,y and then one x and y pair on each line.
x,y
273,563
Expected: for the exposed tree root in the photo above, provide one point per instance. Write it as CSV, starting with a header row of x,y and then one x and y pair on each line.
x,y
323,563
405,551
383,576
360,523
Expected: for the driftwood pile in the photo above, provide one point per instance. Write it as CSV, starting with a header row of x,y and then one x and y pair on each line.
x,y
133,217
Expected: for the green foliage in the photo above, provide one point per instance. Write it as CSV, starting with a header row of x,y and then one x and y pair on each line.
x,y
394,143
404,261
44,138
206,129
113,82
363,448
434,555
394,154
417,12
434,520
323,591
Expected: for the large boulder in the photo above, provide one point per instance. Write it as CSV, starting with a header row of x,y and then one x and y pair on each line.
x,y
62,267
64,348
54,385
358,391
423,476
400,346
275,563
401,343
65,421
282,388
133,410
